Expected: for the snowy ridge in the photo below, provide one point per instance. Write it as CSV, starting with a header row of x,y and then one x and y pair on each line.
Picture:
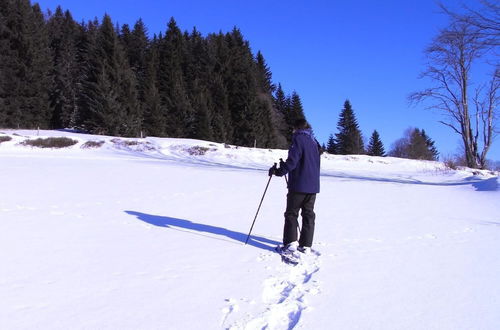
x,y
200,152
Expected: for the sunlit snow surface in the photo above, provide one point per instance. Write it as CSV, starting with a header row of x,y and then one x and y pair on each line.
x,y
149,234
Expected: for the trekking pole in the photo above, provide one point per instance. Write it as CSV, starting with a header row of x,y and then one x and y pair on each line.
x,y
286,180
258,209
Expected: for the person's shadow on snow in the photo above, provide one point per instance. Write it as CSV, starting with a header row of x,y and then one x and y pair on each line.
x,y
181,224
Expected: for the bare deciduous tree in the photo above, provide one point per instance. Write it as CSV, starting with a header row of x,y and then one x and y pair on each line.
x,y
486,19
470,113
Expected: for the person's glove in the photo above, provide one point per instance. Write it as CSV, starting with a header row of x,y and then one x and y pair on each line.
x,y
273,170
282,163
279,171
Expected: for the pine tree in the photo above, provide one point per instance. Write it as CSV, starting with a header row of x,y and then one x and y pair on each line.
x,y
376,147
349,139
86,44
264,75
197,75
109,94
282,106
415,144
25,64
9,104
63,32
417,147
180,114
241,89
433,153
125,36
153,110
263,130
272,120
218,58
331,146
296,111
136,44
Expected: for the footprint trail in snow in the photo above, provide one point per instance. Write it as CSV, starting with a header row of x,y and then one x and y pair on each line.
x,y
284,295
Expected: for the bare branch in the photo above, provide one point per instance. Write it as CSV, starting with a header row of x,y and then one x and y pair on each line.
x,y
453,127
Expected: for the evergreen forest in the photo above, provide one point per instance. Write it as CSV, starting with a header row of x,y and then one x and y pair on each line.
x,y
102,78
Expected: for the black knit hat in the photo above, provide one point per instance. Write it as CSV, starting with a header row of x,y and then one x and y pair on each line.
x,y
301,124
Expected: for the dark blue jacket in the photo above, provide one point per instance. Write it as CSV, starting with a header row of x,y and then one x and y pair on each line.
x,y
303,163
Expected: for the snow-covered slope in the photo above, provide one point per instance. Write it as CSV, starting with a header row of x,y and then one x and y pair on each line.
x,y
149,233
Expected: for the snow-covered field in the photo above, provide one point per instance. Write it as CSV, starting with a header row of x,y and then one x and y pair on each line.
x,y
150,235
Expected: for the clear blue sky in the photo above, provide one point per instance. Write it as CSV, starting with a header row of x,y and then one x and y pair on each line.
x,y
367,51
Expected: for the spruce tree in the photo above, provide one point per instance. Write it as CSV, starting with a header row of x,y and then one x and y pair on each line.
x,y
221,123
86,44
415,144
218,58
417,147
272,120
375,147
264,75
110,96
331,146
197,75
136,44
282,106
263,130
8,99
241,89
433,153
296,111
292,109
124,34
25,66
153,111
180,114
349,139
63,32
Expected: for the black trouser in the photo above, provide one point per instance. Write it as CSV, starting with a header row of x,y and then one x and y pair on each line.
x,y
295,202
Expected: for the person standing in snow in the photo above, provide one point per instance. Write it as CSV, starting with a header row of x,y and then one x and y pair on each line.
x,y
303,167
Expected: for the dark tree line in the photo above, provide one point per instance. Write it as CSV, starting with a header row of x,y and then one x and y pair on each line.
x,y
115,80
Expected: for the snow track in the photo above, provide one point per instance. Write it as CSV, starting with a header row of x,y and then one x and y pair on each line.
x,y
284,294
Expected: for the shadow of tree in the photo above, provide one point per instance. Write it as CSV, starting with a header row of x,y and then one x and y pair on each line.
x,y
175,223
486,185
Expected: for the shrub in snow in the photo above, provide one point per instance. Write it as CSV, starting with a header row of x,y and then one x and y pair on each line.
x,y
124,142
197,151
133,145
92,144
451,162
52,142
5,138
